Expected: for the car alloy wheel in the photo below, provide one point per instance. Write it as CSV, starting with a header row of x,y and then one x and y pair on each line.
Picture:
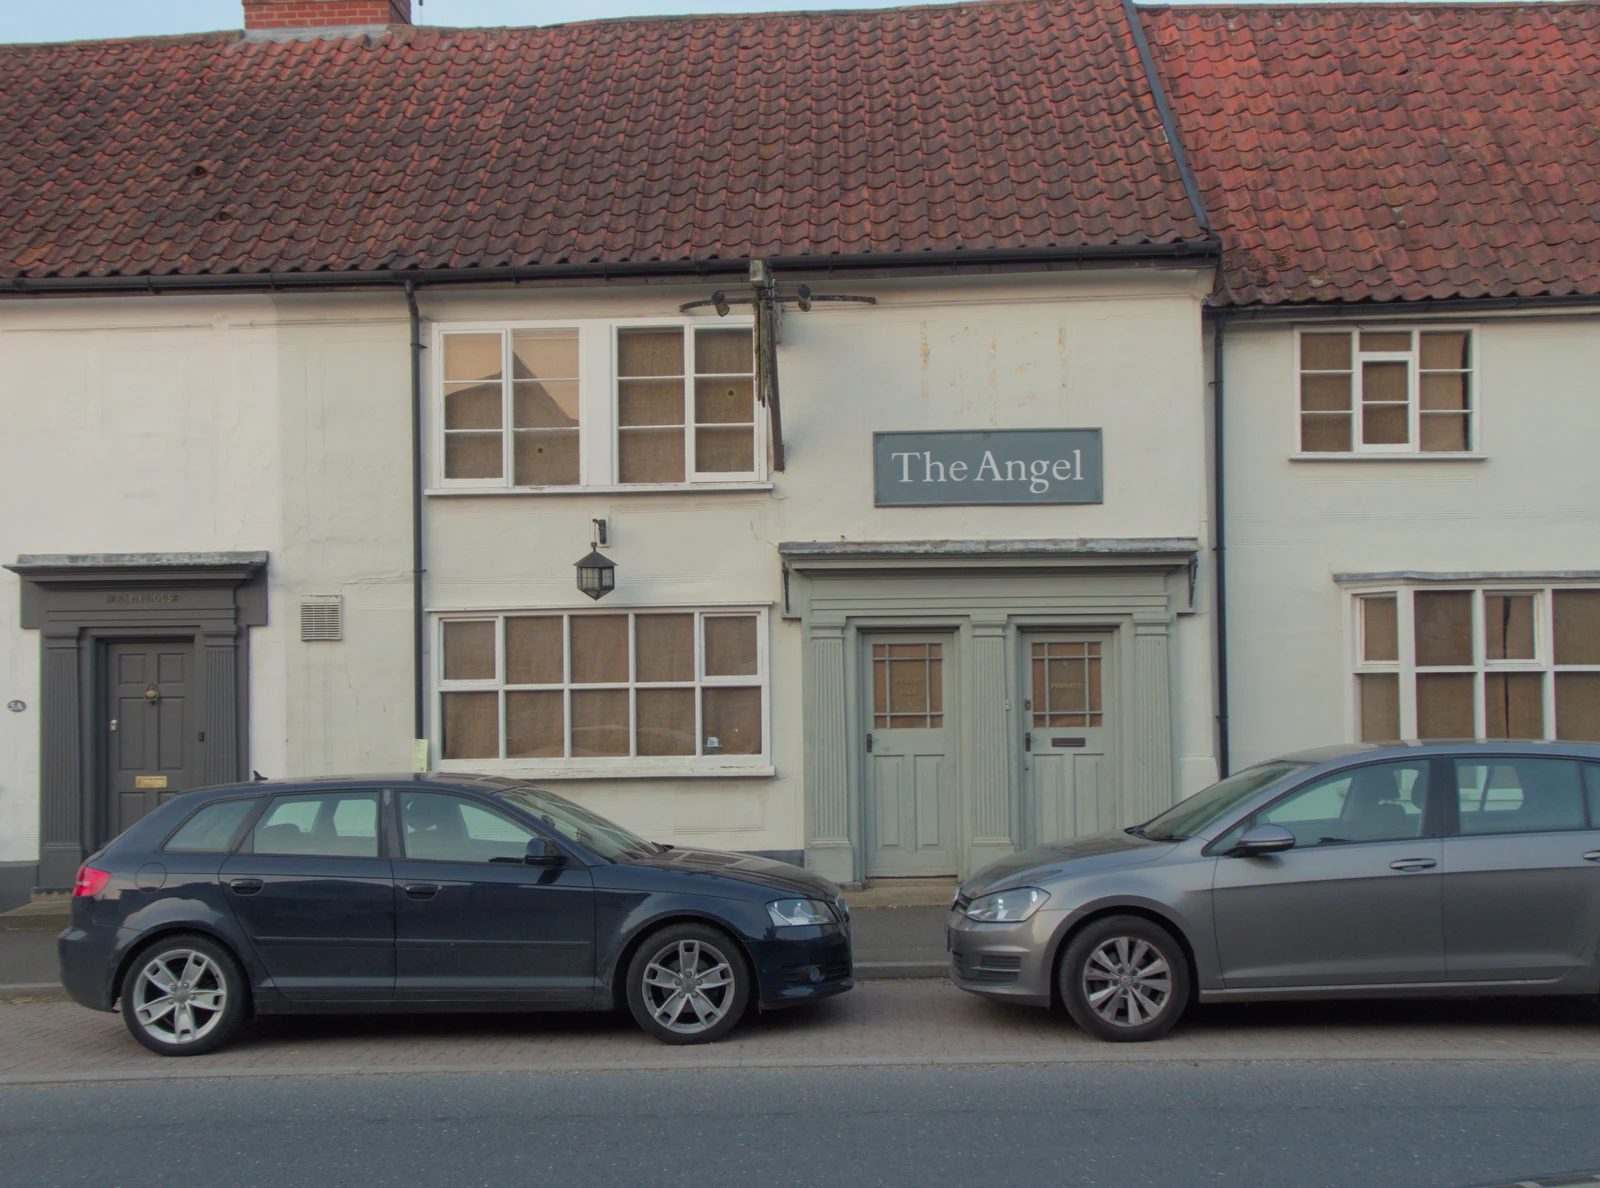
x,y
688,985
183,997
1124,978
1127,981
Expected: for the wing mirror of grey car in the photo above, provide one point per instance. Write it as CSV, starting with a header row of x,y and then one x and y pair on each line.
x,y
1263,839
543,852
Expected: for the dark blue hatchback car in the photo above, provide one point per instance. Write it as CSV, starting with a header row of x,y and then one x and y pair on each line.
x,y
426,893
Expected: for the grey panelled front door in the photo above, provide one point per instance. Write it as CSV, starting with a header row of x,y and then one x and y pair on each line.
x,y
1071,779
910,794
1358,900
150,718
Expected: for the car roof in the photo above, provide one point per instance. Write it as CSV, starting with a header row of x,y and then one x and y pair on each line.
x,y
1445,746
457,781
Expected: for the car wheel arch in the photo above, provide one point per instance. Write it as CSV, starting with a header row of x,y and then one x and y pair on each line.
x,y
625,953
1101,912
156,935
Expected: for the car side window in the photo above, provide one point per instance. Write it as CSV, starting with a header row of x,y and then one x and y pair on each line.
x,y
442,828
1380,802
1591,777
1519,795
212,829
322,824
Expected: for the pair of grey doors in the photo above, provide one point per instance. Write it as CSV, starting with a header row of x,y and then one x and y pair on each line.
x,y
1469,868
913,806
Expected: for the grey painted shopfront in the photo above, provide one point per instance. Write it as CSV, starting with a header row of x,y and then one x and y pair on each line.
x,y
1001,771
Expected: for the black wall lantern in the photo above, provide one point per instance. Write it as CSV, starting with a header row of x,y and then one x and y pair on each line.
x,y
597,573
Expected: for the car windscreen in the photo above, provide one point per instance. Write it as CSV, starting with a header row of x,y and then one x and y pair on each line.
x,y
591,831
1188,817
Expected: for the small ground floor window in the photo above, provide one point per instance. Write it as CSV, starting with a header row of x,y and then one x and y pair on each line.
x,y
684,686
1478,662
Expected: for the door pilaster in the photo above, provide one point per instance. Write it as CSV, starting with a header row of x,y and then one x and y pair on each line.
x,y
993,796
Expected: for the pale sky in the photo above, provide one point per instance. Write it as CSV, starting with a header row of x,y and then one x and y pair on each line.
x,y
68,20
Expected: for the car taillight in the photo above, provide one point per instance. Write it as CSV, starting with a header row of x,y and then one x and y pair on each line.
x,y
90,881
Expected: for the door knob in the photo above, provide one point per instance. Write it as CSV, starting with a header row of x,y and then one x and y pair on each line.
x,y
1592,856
245,886
421,890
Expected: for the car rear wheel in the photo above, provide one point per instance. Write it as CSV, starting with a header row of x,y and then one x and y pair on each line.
x,y
688,984
184,996
1124,978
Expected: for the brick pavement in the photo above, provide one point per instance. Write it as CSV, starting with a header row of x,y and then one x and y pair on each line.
x,y
882,1023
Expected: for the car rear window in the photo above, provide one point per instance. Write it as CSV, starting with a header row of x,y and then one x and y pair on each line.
x,y
212,829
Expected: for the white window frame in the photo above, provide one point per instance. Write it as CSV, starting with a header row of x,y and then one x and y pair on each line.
x,y
1412,448
1406,666
618,766
598,466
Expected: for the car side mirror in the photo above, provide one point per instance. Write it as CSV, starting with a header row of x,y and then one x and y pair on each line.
x,y
543,852
1263,839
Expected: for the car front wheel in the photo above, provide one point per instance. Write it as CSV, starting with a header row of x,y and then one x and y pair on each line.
x,y
688,984
1124,978
183,996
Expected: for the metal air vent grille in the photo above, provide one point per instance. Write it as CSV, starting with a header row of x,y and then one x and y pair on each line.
x,y
321,618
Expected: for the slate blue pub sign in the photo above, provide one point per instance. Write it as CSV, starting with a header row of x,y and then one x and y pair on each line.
x,y
998,466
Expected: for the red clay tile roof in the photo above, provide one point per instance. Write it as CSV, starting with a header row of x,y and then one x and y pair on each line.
x,y
1008,125
1386,153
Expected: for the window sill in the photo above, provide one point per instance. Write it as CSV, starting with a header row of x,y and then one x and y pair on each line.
x,y
1463,457
610,489
535,770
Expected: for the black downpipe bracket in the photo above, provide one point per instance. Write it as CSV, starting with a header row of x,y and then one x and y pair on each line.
x,y
1219,540
418,696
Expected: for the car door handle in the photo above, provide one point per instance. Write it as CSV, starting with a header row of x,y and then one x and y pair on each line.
x,y
245,886
1412,864
1592,856
421,890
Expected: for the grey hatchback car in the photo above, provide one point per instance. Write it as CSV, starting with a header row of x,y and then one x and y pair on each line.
x,y
1350,872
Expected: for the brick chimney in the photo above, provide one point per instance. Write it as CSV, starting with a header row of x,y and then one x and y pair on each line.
x,y
310,16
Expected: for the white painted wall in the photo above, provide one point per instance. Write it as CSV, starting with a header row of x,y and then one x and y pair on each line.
x,y
1119,351
1529,506
283,424
237,423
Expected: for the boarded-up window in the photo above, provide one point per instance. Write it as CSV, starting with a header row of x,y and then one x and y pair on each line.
x,y
724,402
1484,663
522,380
1386,391
650,425
631,686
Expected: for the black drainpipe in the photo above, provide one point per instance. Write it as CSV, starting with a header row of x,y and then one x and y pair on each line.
x,y
1219,537
418,702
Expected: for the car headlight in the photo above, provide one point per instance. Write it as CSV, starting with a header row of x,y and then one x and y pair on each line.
x,y
1007,907
791,913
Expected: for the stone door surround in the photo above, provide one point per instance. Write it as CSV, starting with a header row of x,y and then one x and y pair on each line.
x,y
988,592
79,602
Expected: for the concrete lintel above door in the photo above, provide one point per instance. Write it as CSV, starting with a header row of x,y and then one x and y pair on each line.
x,y
243,571
1174,551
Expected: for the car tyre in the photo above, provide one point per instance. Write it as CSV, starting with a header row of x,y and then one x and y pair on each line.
x,y
688,984
1124,979
184,995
